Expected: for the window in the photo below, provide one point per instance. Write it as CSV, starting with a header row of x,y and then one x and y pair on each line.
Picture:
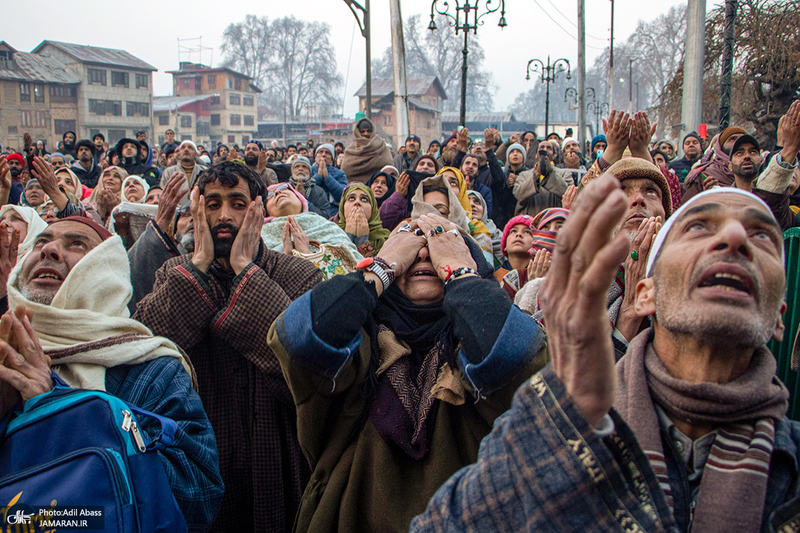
x,y
141,81
161,140
227,84
245,139
12,130
236,120
212,81
97,76
63,126
63,91
40,119
26,118
249,120
231,138
137,109
237,84
24,92
163,120
38,92
215,100
387,120
107,107
235,99
248,99
114,136
186,83
186,121
119,79
215,120
186,137
93,132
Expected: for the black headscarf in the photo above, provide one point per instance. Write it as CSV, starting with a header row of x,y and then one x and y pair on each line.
x,y
390,181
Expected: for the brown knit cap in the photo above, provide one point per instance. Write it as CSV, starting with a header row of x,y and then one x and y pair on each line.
x,y
727,132
634,167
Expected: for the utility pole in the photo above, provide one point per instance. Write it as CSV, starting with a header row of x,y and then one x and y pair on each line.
x,y
727,64
630,86
611,62
692,103
581,75
364,26
399,69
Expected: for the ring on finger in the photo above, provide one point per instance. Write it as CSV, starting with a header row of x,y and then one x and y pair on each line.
x,y
433,233
454,231
419,233
634,255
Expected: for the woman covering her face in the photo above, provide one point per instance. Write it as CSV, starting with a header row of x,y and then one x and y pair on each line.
x,y
360,219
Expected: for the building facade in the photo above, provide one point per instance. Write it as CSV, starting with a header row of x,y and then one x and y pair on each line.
x,y
188,116
426,97
233,111
115,95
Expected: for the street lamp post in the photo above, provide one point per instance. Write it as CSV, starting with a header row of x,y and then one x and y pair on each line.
x,y
363,24
574,92
598,109
549,74
462,22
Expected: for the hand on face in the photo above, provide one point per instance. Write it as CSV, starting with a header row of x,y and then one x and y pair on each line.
x,y
245,245
203,241
448,251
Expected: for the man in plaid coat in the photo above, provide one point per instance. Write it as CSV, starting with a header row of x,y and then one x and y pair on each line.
x,y
218,305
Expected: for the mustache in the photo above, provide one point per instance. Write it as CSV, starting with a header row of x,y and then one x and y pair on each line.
x,y
224,227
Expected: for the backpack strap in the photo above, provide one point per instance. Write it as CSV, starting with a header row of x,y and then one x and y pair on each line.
x,y
169,427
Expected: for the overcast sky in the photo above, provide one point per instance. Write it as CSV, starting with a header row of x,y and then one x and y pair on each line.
x,y
150,30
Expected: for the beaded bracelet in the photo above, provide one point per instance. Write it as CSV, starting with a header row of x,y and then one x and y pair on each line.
x,y
453,274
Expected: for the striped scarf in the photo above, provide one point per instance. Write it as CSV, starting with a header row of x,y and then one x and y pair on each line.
x,y
734,483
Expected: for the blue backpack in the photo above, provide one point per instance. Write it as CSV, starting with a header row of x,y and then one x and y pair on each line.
x,y
73,455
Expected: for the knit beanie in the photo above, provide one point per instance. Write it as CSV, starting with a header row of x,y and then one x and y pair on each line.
x,y
517,146
634,167
301,160
17,157
568,140
328,147
727,132
598,138
525,220
692,134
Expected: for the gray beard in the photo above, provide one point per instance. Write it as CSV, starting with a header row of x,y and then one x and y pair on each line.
x,y
752,333
38,296
187,242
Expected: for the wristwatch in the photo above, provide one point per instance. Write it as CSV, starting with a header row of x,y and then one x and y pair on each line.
x,y
379,267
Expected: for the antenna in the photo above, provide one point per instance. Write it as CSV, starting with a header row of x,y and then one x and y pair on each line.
x,y
194,46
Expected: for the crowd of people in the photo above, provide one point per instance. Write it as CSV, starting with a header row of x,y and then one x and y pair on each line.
x,y
485,334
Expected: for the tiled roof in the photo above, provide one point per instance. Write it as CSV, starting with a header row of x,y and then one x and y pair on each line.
x,y
98,56
416,86
33,68
168,103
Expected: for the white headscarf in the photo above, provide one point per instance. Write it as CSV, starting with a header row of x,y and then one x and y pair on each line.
x,y
86,329
144,185
36,225
662,234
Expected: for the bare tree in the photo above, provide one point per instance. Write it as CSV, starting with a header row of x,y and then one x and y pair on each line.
x,y
766,78
438,53
292,60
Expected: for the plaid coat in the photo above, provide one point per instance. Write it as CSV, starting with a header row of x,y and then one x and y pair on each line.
x,y
222,323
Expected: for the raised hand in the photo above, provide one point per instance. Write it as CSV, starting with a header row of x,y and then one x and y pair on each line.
x,y
43,171
168,203
628,322
245,245
789,129
403,181
401,248
641,133
9,247
462,139
539,264
286,239
23,363
574,295
569,197
618,132
299,236
203,254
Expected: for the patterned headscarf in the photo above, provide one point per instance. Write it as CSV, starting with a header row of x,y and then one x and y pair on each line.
x,y
544,239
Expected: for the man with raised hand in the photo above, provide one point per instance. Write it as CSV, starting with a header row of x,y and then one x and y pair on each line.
x,y
698,438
